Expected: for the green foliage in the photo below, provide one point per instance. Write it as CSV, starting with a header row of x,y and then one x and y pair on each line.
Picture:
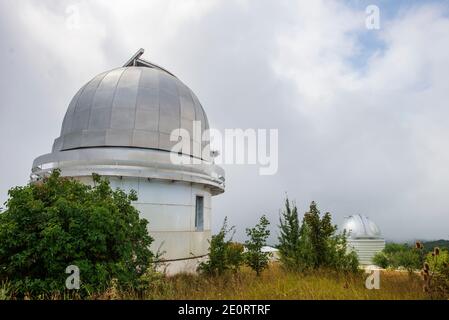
x,y
313,243
381,259
438,259
408,260
320,231
151,285
337,257
224,255
397,255
58,222
435,274
235,255
291,247
5,291
392,248
255,258
430,245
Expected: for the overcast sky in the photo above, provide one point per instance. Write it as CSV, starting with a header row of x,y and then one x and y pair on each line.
x,y
363,115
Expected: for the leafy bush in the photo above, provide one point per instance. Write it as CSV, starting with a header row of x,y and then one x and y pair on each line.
x,y
313,243
338,257
429,246
223,255
435,274
254,257
235,255
58,222
151,285
393,248
408,260
397,255
381,259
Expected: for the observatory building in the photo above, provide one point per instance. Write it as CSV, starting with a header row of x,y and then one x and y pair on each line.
x,y
364,237
118,125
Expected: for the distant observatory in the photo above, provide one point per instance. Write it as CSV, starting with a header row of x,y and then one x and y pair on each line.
x,y
118,125
364,237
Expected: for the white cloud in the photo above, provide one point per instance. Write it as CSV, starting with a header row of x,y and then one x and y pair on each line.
x,y
359,137
384,129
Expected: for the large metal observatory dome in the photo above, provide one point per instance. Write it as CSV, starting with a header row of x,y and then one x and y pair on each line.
x,y
133,106
364,237
118,125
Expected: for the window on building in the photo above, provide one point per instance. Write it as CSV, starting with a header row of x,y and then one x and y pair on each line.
x,y
199,213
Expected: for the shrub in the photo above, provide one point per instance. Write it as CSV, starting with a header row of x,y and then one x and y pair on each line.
x,y
338,257
254,257
58,222
408,259
392,248
5,291
313,243
400,256
224,255
235,255
381,259
435,274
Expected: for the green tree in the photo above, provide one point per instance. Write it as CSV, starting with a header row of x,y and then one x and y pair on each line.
x,y
393,248
313,243
408,259
223,255
234,255
320,230
381,259
292,251
337,255
397,255
57,222
255,258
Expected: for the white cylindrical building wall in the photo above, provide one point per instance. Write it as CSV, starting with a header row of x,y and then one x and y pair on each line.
x,y
366,249
171,210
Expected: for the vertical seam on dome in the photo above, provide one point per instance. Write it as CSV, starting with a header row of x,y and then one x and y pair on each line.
x,y
112,102
93,98
135,106
158,90
193,100
179,105
74,108
192,153
363,224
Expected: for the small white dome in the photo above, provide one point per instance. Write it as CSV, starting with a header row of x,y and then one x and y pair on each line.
x,y
360,227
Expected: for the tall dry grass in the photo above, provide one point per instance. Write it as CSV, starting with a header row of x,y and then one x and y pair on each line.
x,y
275,283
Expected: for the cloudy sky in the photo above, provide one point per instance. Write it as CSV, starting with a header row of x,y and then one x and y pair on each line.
x,y
363,115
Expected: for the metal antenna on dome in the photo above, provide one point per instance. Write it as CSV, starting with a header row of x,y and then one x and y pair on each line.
x,y
136,61
133,60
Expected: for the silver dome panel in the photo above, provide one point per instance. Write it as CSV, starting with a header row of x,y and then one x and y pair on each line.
x,y
361,227
131,107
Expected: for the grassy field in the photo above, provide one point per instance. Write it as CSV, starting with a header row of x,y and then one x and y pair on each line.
x,y
274,283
